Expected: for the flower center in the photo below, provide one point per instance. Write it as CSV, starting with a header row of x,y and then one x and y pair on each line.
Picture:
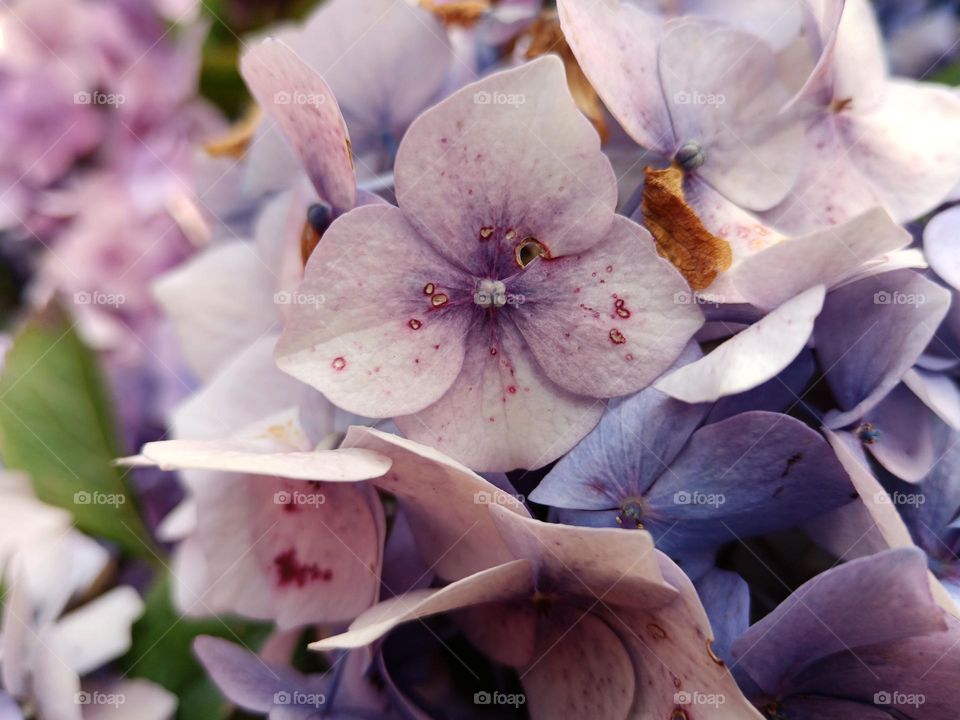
x,y
490,293
690,156
631,513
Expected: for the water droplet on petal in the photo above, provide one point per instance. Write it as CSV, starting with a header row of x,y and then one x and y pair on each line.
x,y
511,234
339,363
429,289
617,337
486,232
439,300
621,309
415,324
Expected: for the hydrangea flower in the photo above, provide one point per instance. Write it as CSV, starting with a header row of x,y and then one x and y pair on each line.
x,y
494,306
651,463
819,654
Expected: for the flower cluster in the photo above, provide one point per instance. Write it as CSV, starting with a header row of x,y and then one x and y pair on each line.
x,y
588,361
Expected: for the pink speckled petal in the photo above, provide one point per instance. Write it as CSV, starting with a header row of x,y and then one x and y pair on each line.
x,y
444,501
307,112
503,412
826,257
908,148
365,332
616,45
606,322
671,650
582,669
510,152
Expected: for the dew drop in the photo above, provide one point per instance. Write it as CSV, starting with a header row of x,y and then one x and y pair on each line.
x,y
486,232
339,363
439,300
415,324
429,289
617,337
511,234
621,309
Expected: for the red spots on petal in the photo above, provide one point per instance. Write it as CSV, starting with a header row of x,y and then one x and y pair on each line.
x,y
485,232
415,324
628,357
439,300
609,268
576,290
617,337
291,571
493,351
338,364
512,389
436,347
429,289
656,631
620,308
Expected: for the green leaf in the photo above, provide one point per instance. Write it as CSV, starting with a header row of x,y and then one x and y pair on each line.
x,y
56,426
162,651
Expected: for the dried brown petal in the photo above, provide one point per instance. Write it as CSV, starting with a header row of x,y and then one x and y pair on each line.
x,y
681,237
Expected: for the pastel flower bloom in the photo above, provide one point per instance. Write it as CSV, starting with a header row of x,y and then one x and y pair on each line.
x,y
651,463
490,311
831,649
